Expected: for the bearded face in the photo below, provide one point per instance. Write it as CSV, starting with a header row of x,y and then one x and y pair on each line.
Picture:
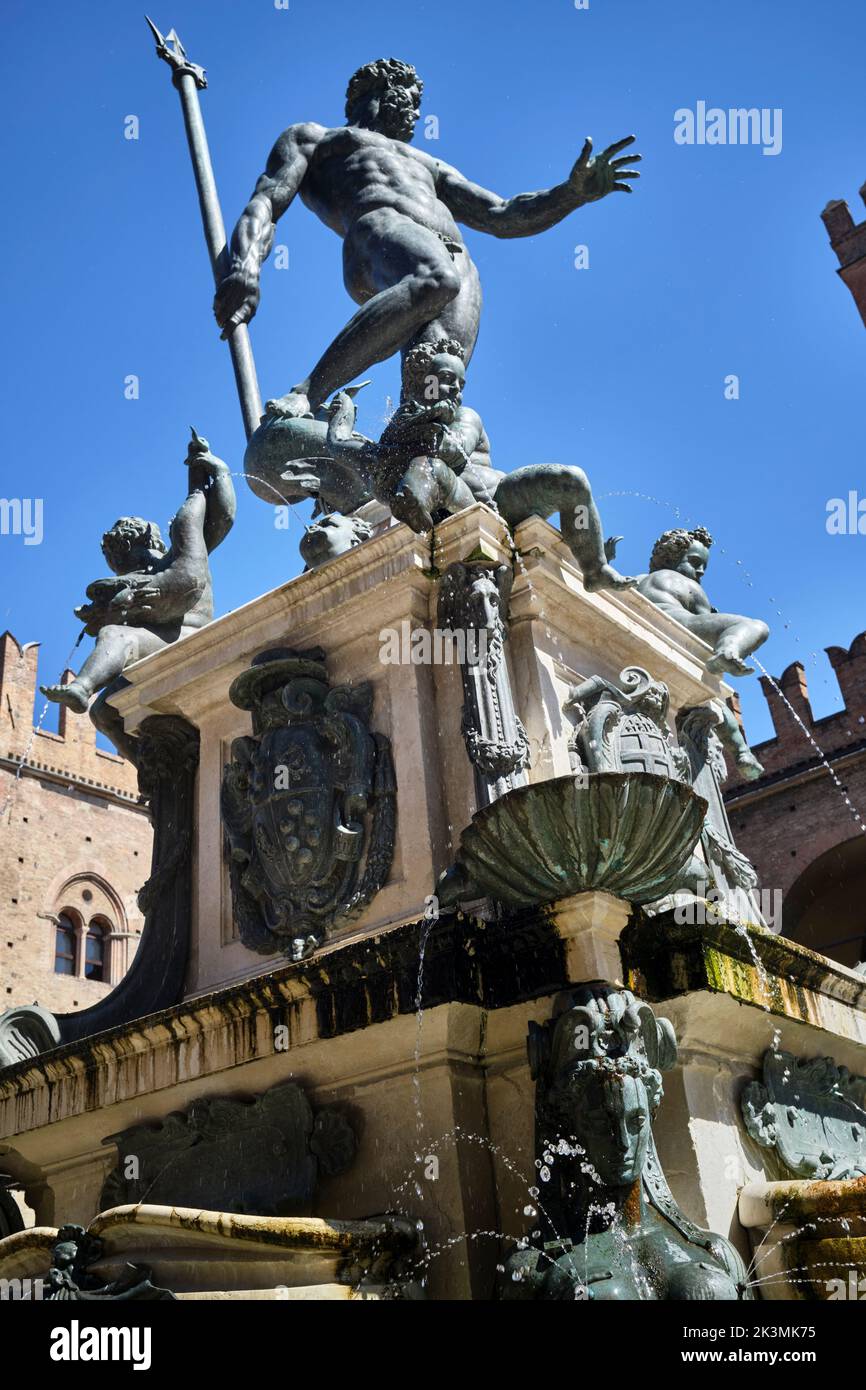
x,y
391,110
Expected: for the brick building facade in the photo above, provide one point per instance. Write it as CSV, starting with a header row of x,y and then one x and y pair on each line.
x,y
848,240
75,848
794,823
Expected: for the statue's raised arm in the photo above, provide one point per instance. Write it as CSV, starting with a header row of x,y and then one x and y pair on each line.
x,y
528,213
157,594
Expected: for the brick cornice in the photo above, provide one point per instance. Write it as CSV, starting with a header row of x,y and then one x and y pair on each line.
x,y
59,775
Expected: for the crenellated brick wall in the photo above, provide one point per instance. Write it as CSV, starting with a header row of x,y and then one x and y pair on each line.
x,y
797,817
848,240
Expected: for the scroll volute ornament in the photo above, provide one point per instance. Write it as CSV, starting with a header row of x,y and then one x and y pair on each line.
x,y
623,728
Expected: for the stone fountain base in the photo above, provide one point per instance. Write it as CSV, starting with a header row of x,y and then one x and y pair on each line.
x,y
809,1238
221,1255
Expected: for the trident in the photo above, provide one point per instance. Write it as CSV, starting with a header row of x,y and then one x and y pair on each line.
x,y
189,79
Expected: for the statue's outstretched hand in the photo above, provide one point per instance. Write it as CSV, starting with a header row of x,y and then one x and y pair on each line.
x,y
236,300
591,179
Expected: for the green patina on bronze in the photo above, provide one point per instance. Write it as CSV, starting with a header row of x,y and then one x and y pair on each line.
x,y
625,822
811,1114
608,1225
808,1115
308,803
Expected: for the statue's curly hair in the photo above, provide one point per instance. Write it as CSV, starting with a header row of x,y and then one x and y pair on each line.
x,y
418,361
670,548
117,543
382,73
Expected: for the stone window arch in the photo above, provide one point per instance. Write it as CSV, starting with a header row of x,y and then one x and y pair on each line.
x,y
86,903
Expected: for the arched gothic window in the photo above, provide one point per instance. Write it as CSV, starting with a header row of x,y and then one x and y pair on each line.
x,y
64,945
94,951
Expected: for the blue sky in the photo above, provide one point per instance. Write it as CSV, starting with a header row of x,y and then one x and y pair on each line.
x,y
717,265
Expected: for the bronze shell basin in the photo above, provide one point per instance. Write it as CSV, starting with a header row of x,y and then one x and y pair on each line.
x,y
626,833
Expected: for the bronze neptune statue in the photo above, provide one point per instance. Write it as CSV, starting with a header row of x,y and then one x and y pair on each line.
x,y
397,211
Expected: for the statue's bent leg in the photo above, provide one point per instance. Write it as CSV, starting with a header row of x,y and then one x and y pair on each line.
x,y
427,486
116,647
403,276
732,739
736,638
460,318
731,636
543,488
109,721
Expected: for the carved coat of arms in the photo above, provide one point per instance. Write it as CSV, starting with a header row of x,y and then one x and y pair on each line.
x,y
624,729
308,803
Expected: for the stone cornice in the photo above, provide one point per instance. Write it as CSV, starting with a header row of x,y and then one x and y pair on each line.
x,y
549,591
666,959
367,982
58,775
309,608
487,966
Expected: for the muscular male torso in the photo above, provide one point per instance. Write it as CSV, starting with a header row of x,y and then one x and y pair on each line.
x,y
352,172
